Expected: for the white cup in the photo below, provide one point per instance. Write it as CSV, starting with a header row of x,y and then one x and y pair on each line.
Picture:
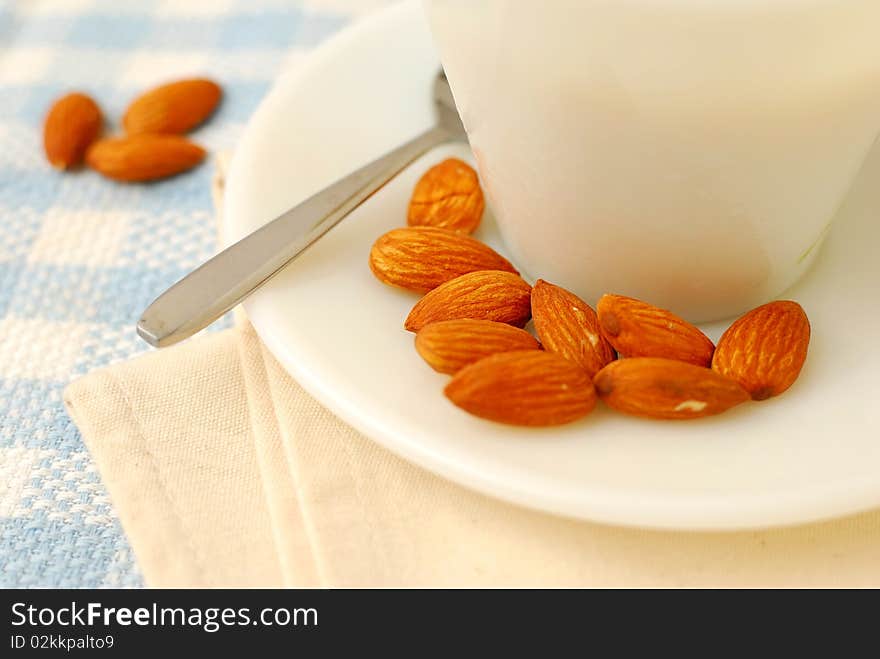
x,y
691,153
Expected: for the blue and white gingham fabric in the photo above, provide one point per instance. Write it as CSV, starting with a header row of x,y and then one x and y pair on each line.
x,y
81,256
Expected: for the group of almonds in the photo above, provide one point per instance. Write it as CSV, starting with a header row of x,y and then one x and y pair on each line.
x,y
152,147
469,324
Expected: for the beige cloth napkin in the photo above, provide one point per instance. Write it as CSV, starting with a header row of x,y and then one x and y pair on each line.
x,y
225,472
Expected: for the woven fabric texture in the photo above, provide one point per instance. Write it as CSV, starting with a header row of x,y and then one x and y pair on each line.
x,y
81,256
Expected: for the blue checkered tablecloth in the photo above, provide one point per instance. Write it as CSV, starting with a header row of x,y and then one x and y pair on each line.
x,y
81,256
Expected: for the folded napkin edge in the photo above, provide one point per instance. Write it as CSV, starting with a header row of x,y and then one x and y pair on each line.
x,y
99,405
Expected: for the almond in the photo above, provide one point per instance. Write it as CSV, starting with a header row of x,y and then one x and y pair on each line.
x,y
524,388
72,123
638,329
448,196
421,258
450,345
569,327
484,295
765,350
666,389
143,157
173,108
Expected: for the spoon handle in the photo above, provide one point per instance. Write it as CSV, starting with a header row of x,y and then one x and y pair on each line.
x,y
220,283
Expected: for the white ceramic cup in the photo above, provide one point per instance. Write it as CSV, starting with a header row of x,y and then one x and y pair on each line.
x,y
691,153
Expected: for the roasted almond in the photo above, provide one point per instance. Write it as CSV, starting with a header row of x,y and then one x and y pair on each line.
x,y
143,157
639,329
524,388
484,295
72,123
569,327
450,345
765,350
421,258
666,389
448,196
172,108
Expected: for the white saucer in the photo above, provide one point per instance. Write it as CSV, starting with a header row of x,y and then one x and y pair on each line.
x,y
812,453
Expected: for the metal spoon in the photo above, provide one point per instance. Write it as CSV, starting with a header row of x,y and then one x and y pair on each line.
x,y
219,284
